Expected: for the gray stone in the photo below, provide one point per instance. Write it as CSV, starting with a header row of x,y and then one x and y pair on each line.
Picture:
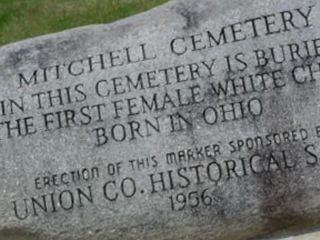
x,y
311,236
195,120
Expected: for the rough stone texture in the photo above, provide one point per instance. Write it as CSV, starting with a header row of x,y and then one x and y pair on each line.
x,y
202,122
312,236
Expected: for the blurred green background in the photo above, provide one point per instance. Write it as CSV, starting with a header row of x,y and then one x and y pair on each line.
x,y
21,19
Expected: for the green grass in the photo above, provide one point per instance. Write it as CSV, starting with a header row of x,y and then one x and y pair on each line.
x,y
21,19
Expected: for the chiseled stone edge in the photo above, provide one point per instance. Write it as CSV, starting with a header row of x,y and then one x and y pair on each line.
x,y
151,14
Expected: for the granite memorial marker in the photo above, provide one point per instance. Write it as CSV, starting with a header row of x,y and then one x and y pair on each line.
x,y
195,120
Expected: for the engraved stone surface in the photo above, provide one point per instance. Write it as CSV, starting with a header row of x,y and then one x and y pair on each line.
x,y
195,120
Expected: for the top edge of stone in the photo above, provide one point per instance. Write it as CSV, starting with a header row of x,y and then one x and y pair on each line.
x,y
151,13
